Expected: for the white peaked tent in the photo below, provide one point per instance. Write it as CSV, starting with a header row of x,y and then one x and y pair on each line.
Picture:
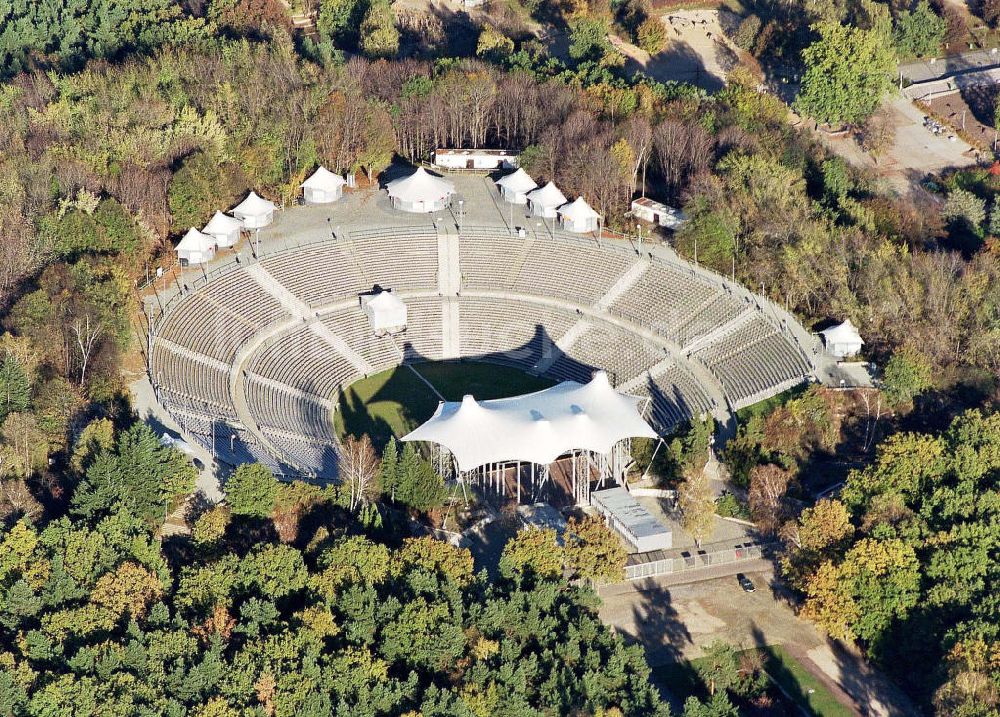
x,y
224,228
421,192
514,187
842,340
323,187
537,427
195,248
546,200
579,217
385,311
255,212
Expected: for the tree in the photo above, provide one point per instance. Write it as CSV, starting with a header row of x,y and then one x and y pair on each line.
x,y
965,208
847,72
878,134
129,589
592,551
416,484
589,41
719,667
697,505
359,470
493,44
907,374
379,36
252,490
768,485
919,32
533,554
652,35
15,386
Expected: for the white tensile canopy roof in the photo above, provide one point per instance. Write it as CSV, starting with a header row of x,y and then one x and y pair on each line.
x,y
537,427
324,180
222,224
519,181
421,186
194,240
385,310
547,196
844,333
254,206
579,211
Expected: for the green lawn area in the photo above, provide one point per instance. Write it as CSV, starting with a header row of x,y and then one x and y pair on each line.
x,y
485,381
396,401
681,680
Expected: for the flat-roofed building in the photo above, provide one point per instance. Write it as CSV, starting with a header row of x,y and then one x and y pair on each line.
x,y
631,521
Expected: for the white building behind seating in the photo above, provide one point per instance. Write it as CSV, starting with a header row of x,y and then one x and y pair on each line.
x,y
579,217
224,228
195,248
255,212
386,312
842,340
545,201
420,192
657,213
485,159
323,187
630,520
514,187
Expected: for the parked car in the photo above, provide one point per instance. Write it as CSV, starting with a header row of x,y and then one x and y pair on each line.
x,y
745,583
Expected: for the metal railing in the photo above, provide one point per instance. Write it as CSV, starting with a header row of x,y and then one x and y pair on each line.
x,y
695,559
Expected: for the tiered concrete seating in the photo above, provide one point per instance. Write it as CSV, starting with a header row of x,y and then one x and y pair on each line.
x,y
575,270
422,338
486,258
304,361
199,380
622,354
352,325
507,331
319,274
676,397
315,457
401,260
287,411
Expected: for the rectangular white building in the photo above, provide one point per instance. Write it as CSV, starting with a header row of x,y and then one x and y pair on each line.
x,y
657,213
485,159
630,520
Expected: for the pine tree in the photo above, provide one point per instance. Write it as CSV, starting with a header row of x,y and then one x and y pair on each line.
x,y
389,476
15,387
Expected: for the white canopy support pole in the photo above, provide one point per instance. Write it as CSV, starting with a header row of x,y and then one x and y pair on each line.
x,y
652,458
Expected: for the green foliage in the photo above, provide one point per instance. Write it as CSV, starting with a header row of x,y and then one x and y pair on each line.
x,y
15,386
920,32
592,551
652,35
410,480
964,208
379,36
201,186
493,44
847,72
139,476
532,554
340,19
907,374
252,491
589,41
729,506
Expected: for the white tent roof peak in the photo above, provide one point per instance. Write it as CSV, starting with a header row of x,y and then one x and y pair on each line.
x,y
843,333
194,240
519,181
547,196
385,300
579,211
536,427
222,224
421,186
324,180
254,206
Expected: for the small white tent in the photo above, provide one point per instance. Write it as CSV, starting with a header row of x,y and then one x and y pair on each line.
x,y
579,217
514,187
224,228
255,212
323,187
421,192
195,248
842,340
546,200
385,311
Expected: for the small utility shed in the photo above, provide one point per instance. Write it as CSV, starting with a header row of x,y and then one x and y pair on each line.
x,y
195,248
323,187
255,212
514,187
630,520
386,312
842,340
224,228
657,213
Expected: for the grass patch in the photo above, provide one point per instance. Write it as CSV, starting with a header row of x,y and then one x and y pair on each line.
x,y
763,408
390,403
797,682
394,402
485,381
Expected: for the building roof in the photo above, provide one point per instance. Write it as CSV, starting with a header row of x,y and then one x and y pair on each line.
x,y
222,224
579,211
519,181
194,240
536,427
384,301
651,204
254,206
421,186
324,180
547,196
634,517
480,152
844,333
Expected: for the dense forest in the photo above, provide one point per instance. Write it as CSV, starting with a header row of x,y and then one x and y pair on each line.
x,y
124,123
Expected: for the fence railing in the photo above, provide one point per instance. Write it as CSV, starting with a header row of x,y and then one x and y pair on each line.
x,y
695,559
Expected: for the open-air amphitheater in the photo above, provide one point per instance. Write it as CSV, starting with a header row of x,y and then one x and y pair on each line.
x,y
249,354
